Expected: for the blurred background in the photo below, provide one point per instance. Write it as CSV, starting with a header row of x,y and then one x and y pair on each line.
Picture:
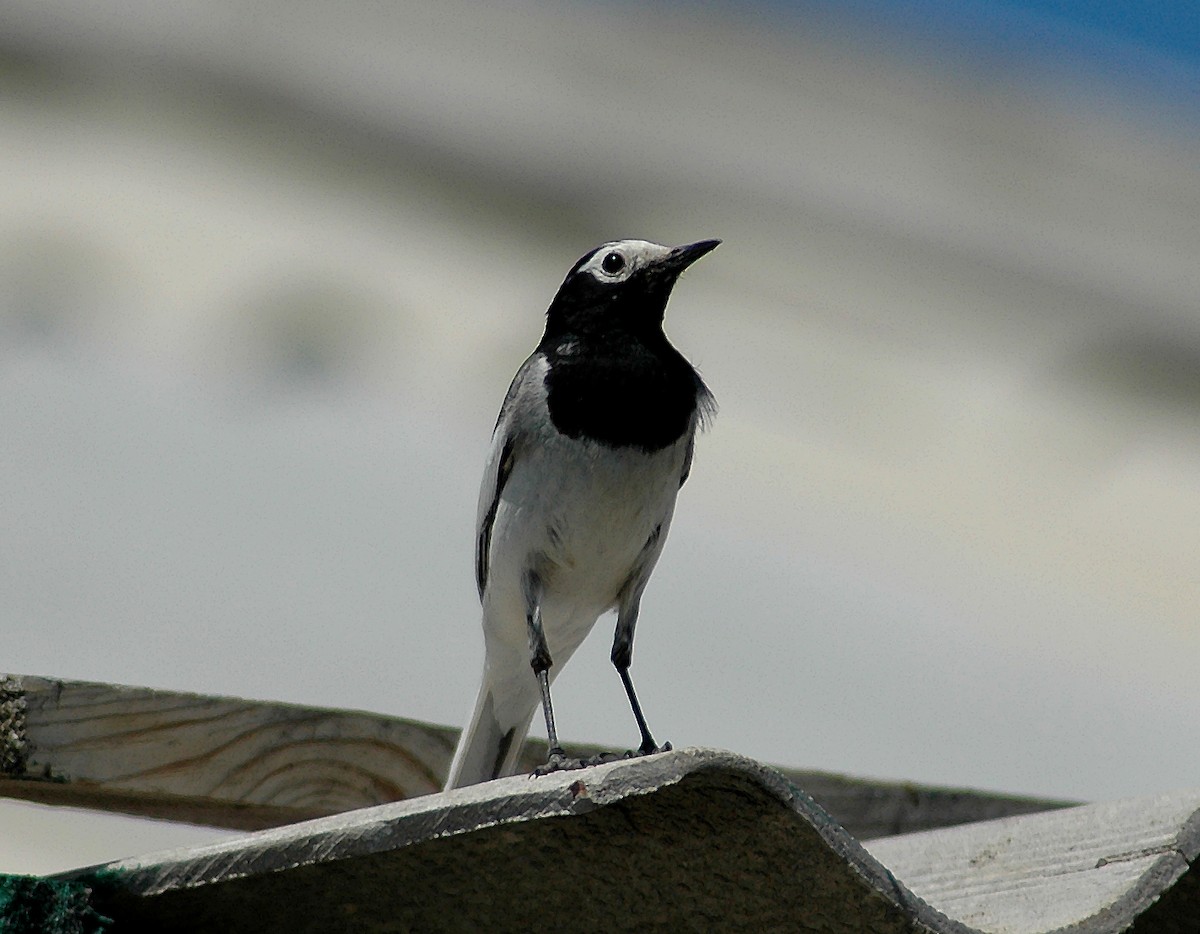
x,y
267,268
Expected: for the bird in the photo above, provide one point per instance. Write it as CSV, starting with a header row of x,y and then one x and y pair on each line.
x,y
592,444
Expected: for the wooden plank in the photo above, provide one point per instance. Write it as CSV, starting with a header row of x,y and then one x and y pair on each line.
x,y
209,760
248,765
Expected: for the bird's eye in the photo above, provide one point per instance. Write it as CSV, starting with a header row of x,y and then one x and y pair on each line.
x,y
613,263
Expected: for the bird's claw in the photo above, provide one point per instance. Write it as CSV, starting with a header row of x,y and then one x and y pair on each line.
x,y
646,750
559,761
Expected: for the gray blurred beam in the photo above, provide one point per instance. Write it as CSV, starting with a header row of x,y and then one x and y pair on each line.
x,y
248,765
870,809
688,840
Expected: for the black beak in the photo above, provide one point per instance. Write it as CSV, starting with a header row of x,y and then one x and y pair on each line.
x,y
683,256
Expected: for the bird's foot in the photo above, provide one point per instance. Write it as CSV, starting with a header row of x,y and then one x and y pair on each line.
x,y
559,761
600,758
647,749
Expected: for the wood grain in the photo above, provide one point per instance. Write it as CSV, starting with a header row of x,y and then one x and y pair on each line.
x,y
213,760
249,765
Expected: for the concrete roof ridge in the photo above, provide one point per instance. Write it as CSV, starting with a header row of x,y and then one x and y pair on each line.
x,y
676,840
700,814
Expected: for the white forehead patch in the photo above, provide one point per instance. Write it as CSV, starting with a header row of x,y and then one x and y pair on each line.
x,y
617,260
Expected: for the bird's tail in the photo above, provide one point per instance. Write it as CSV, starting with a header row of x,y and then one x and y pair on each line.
x,y
491,742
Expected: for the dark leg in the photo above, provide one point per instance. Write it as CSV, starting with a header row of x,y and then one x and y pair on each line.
x,y
541,668
622,657
540,661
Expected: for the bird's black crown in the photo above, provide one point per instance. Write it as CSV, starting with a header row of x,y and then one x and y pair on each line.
x,y
613,377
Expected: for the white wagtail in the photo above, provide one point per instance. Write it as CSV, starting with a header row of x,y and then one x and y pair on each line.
x,y
592,444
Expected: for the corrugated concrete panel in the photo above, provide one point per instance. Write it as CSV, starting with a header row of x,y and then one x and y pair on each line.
x,y
1100,865
690,840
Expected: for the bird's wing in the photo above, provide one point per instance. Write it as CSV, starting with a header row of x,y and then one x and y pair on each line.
x,y
706,408
639,574
505,440
630,594
687,460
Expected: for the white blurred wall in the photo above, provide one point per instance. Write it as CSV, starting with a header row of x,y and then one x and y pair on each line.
x,y
265,271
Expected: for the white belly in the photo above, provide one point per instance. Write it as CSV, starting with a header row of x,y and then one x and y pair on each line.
x,y
580,515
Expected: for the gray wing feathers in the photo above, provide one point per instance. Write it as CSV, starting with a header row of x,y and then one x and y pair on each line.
x,y
499,467
496,473
639,575
706,407
687,460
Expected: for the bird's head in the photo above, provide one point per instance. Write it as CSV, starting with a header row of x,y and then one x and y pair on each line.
x,y
623,283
